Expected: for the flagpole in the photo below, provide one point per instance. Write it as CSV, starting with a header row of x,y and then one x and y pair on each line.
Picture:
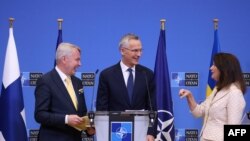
x,y
165,116
11,20
216,21
13,121
163,21
216,48
59,37
60,20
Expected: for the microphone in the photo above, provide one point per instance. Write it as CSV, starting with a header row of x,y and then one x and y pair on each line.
x,y
91,113
151,113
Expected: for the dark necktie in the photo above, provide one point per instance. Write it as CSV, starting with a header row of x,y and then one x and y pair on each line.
x,y
130,84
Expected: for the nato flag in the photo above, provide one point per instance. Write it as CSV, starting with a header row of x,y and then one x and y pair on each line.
x,y
165,127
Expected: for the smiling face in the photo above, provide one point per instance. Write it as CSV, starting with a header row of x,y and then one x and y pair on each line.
x,y
68,58
72,62
131,53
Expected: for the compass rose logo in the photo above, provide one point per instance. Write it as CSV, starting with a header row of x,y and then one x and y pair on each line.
x,y
165,126
121,132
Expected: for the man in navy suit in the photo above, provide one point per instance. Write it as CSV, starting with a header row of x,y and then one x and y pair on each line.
x,y
113,92
58,113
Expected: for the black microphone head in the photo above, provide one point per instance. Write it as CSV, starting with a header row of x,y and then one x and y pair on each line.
x,y
96,71
91,116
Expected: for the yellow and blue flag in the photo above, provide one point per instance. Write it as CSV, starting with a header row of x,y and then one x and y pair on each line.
x,y
216,48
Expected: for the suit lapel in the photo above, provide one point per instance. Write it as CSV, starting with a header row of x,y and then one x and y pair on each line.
x,y
121,83
139,79
209,104
220,95
77,93
63,91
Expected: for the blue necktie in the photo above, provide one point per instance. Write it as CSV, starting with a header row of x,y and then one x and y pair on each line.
x,y
130,84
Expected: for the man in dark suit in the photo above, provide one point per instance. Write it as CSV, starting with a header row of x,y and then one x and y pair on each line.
x,y
114,86
60,104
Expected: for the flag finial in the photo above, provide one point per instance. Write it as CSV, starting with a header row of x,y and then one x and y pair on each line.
x,y
163,24
216,23
60,20
11,22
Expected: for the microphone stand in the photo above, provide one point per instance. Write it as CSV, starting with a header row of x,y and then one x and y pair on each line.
x,y
151,113
91,113
91,116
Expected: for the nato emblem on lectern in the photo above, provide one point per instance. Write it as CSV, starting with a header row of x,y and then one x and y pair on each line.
x,y
121,131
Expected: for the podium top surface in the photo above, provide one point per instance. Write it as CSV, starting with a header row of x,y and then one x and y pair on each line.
x,y
128,112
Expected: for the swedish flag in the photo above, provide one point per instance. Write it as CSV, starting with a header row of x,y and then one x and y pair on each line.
x,y
216,49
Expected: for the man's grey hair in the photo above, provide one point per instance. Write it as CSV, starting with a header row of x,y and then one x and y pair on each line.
x,y
124,42
65,49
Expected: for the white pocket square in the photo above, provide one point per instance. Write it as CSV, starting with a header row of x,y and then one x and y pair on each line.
x,y
80,91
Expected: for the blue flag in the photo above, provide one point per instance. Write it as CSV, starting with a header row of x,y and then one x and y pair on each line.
x,y
59,40
12,119
216,49
165,127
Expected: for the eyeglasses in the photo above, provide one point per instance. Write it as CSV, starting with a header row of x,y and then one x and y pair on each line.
x,y
135,50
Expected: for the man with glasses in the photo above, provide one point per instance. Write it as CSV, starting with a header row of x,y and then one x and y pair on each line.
x,y
128,85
